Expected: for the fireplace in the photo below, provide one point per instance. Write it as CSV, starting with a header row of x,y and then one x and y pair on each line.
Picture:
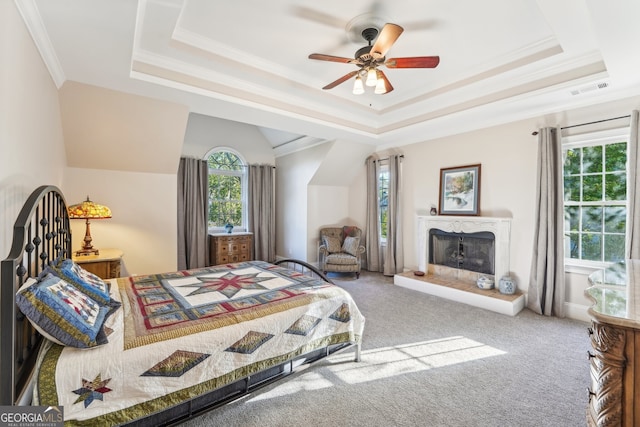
x,y
466,251
474,246
470,244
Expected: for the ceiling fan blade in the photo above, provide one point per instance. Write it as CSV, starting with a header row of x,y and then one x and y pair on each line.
x,y
387,83
386,39
318,17
413,62
341,80
322,57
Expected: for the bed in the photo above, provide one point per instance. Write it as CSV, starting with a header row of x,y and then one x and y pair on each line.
x,y
159,348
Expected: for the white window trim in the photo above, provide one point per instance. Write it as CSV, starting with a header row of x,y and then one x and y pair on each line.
x,y
245,187
578,266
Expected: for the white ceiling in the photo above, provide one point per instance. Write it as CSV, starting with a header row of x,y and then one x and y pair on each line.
x,y
247,60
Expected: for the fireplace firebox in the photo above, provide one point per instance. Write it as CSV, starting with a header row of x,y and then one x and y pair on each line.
x,y
468,228
466,251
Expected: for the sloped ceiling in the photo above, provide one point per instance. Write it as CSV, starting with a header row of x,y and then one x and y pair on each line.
x,y
106,129
248,61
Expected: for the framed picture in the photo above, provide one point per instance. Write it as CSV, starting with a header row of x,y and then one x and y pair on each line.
x,y
460,190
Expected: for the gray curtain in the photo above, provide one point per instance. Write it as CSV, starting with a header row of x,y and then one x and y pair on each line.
x,y
193,182
546,282
633,194
372,232
394,257
262,209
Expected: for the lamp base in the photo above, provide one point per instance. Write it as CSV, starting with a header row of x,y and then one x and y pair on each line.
x,y
86,252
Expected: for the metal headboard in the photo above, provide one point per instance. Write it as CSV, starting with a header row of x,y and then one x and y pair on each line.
x,y
41,234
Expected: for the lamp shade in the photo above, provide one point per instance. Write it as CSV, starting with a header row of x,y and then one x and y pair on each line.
x,y
88,210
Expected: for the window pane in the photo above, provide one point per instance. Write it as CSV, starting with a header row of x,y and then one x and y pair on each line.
x,y
614,247
591,249
592,159
615,219
592,188
572,218
383,200
225,160
616,157
572,162
572,188
615,186
592,219
574,245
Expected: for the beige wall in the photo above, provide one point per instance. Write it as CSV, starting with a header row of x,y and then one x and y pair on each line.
x,y
144,222
507,155
293,173
31,142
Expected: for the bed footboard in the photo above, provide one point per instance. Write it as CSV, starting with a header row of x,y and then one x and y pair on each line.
x,y
309,270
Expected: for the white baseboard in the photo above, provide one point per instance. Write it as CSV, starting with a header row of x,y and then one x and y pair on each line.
x,y
577,312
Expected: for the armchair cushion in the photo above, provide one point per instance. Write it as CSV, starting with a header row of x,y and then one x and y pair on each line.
x,y
351,245
332,243
342,259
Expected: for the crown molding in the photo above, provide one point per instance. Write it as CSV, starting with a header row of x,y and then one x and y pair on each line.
x,y
33,21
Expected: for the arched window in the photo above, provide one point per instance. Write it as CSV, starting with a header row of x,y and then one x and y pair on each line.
x,y
227,189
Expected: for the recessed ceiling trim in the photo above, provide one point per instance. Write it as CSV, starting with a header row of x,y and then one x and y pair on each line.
x,y
530,88
189,83
510,65
213,81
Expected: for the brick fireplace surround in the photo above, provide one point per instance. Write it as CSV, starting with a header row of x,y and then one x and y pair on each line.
x,y
457,284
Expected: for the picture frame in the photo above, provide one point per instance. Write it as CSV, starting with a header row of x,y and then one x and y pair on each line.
x,y
460,190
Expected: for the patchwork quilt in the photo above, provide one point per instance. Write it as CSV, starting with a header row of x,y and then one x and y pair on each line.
x,y
178,335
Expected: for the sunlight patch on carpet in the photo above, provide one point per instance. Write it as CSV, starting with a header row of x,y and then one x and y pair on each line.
x,y
386,362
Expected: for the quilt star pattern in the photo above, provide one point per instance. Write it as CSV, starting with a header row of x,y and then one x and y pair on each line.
x,y
170,305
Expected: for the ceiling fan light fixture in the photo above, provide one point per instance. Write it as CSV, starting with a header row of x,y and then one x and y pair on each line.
x,y
372,77
358,87
380,87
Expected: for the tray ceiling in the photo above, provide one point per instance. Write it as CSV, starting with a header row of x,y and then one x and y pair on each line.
x,y
248,60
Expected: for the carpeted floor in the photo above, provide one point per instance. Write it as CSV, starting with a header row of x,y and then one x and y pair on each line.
x,y
431,362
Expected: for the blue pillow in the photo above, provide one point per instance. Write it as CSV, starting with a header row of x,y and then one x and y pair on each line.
x,y
87,282
63,313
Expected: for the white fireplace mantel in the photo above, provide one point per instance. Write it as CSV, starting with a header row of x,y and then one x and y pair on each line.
x,y
500,227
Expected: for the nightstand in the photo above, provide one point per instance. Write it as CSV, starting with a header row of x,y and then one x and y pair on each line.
x,y
105,265
226,248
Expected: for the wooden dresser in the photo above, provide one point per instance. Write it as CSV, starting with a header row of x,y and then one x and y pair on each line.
x,y
614,394
230,247
106,265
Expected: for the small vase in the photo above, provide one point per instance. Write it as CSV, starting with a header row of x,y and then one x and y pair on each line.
x,y
229,228
507,286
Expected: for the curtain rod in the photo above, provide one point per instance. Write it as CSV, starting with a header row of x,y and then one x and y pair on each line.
x,y
590,123
379,160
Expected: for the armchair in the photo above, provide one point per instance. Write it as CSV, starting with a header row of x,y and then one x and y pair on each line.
x,y
340,250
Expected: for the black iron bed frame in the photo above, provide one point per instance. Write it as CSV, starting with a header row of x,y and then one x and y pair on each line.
x,y
41,234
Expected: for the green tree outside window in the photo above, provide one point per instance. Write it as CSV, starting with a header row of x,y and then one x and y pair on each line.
x,y
226,176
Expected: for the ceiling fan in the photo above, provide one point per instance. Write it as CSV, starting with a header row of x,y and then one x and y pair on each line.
x,y
368,59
